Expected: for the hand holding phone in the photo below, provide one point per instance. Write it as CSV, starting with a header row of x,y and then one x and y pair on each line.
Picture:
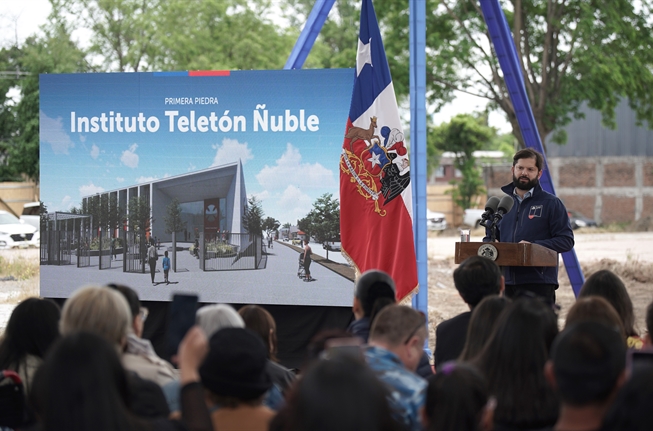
x,y
180,319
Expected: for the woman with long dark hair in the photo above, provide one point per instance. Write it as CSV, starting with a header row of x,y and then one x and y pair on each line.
x,y
31,330
83,386
513,364
485,317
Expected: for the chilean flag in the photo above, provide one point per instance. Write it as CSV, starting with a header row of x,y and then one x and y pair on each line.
x,y
376,225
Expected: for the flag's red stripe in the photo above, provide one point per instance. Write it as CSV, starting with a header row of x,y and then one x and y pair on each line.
x,y
209,73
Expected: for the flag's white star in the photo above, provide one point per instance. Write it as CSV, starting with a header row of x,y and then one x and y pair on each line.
x,y
374,160
364,55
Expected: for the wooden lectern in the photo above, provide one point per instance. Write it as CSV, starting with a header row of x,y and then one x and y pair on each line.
x,y
508,253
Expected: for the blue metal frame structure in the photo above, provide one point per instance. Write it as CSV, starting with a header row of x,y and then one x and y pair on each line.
x,y
504,46
306,39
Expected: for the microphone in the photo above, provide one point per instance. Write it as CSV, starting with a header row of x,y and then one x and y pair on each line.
x,y
504,207
490,208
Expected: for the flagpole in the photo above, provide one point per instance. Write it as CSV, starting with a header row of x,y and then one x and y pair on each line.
x,y
417,26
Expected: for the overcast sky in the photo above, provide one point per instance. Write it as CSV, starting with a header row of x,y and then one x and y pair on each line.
x,y
21,18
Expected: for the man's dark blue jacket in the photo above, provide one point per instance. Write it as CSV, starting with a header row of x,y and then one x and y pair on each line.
x,y
540,219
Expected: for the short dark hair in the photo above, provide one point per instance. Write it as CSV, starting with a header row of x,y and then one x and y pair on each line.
x,y
476,278
372,286
607,284
130,295
595,309
529,153
588,358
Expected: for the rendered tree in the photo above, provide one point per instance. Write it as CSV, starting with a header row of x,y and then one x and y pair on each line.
x,y
323,221
172,219
138,217
270,225
253,217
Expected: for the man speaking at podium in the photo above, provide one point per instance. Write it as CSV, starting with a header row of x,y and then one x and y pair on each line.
x,y
536,217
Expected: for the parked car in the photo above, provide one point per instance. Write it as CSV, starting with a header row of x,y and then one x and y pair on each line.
x,y
435,220
579,220
332,245
15,232
32,214
472,216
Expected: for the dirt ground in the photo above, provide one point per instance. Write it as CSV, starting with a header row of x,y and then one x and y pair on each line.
x,y
629,255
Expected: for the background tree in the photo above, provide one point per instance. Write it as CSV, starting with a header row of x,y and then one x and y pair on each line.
x,y
572,52
253,217
270,225
463,135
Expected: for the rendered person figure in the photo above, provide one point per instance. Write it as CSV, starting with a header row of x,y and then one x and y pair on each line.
x,y
152,257
537,217
166,267
307,260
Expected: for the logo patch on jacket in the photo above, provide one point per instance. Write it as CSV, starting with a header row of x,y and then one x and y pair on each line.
x,y
535,211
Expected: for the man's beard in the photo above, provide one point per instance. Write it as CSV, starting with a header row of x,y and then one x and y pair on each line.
x,y
524,186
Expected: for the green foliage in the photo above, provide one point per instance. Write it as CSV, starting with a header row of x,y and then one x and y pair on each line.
x,y
220,248
253,217
323,221
270,225
572,52
138,217
463,135
172,219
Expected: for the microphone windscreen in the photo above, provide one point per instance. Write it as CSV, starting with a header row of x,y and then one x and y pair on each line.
x,y
492,204
506,203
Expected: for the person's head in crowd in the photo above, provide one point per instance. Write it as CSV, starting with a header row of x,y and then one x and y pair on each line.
x,y
594,309
608,285
482,324
233,372
476,278
32,328
138,314
631,407
374,290
401,330
336,394
319,343
513,364
212,318
83,386
587,366
649,326
97,309
457,398
260,321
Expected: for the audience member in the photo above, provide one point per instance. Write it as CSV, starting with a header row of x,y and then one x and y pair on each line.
x,y
336,394
105,312
631,408
457,398
595,309
139,355
608,285
587,367
482,325
82,386
374,291
234,375
32,328
395,348
475,278
513,364
212,318
260,321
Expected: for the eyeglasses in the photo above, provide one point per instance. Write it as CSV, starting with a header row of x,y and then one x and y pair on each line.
x,y
143,313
